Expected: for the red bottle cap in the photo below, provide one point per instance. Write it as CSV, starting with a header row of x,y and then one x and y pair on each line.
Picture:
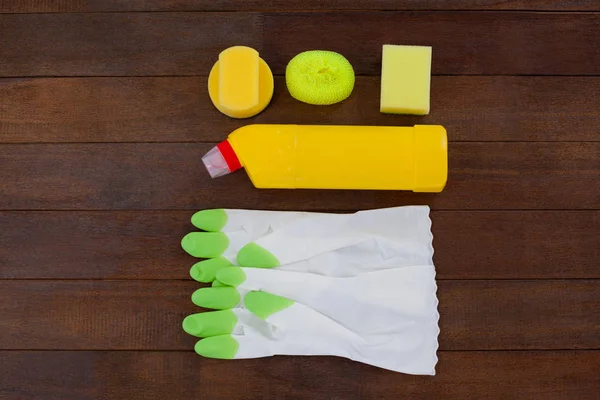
x,y
232,160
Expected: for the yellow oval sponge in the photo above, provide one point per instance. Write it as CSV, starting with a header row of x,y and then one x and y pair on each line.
x,y
319,77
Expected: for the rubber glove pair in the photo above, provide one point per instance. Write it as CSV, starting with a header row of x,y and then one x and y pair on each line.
x,y
360,286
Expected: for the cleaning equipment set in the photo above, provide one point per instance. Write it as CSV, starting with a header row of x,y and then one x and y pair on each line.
x,y
360,286
328,157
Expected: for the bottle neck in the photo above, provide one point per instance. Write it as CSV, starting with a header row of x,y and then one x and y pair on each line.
x,y
232,160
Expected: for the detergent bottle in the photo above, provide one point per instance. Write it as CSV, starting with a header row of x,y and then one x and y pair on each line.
x,y
335,157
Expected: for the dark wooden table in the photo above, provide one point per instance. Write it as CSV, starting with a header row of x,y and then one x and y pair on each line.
x,y
104,115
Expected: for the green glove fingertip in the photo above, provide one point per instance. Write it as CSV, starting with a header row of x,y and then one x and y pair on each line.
x,y
223,347
205,271
255,256
218,298
210,220
263,304
205,244
232,276
210,323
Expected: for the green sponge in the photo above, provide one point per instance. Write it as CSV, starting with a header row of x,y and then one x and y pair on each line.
x,y
319,77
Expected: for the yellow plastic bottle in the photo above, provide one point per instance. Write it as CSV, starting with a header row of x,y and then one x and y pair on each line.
x,y
336,157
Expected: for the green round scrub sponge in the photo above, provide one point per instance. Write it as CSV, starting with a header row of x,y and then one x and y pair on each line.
x,y
319,77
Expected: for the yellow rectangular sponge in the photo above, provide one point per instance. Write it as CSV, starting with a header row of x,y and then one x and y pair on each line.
x,y
238,78
405,79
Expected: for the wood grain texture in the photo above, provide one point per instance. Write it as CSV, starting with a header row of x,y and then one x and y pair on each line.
x,y
147,315
121,375
482,176
68,6
507,43
472,108
146,245
104,117
120,44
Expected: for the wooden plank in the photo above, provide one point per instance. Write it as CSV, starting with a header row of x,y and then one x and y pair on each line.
x,y
541,314
472,108
508,43
146,245
147,315
65,6
93,245
516,245
482,176
121,375
120,44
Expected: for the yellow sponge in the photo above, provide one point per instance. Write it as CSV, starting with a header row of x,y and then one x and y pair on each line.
x,y
405,79
240,84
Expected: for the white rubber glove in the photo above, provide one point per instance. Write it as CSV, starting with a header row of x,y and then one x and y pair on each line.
x,y
385,318
327,244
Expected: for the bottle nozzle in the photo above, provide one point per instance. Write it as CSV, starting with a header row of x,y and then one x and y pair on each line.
x,y
221,160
